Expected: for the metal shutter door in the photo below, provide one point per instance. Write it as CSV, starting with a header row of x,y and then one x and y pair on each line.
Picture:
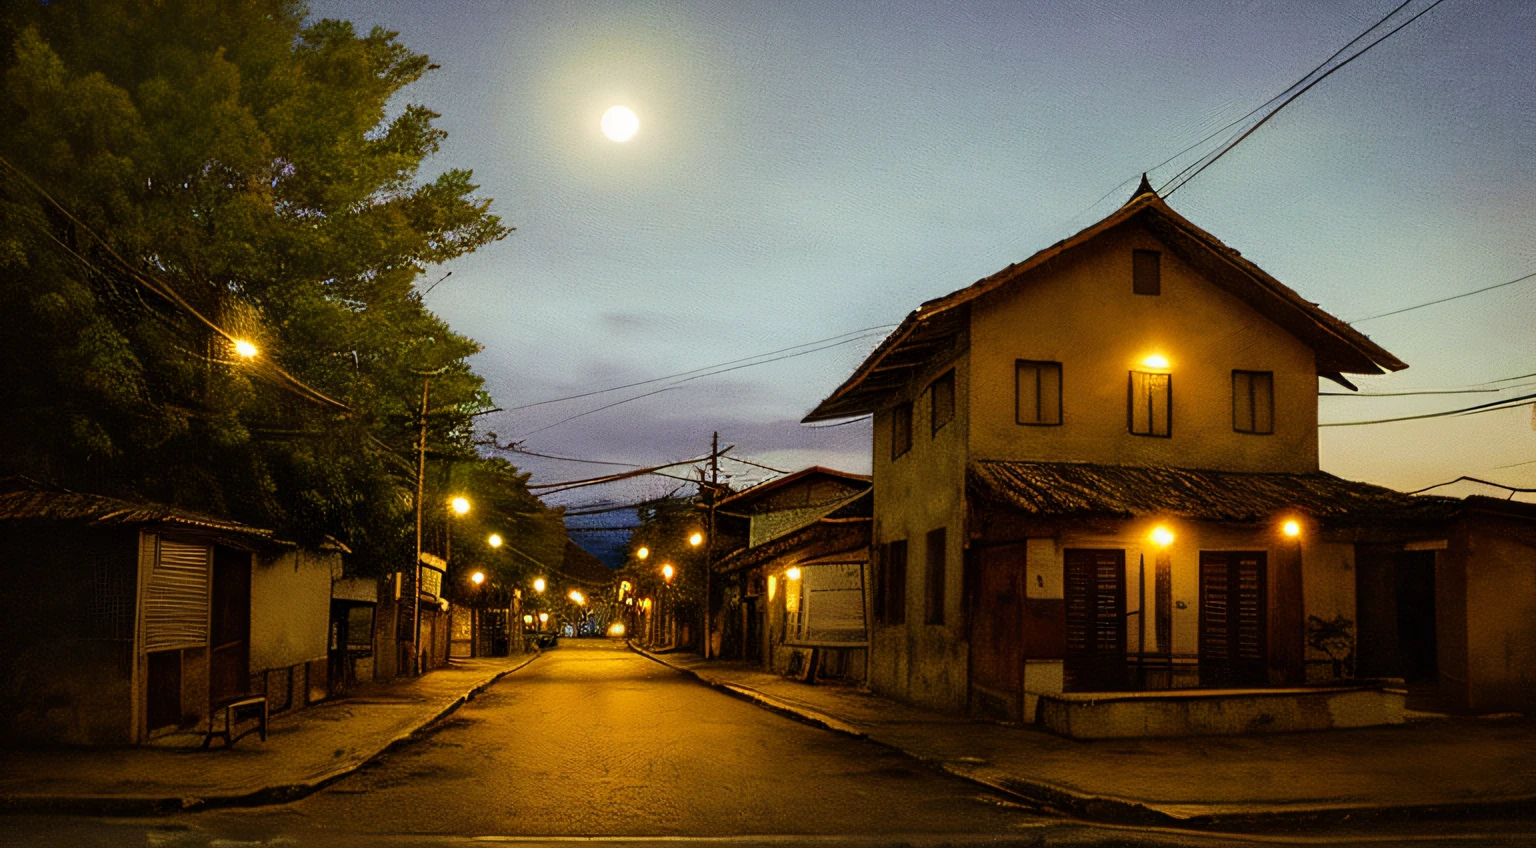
x,y
176,602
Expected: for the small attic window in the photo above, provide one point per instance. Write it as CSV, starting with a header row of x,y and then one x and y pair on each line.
x,y
1146,272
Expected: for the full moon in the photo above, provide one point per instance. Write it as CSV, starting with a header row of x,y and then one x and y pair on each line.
x,y
620,123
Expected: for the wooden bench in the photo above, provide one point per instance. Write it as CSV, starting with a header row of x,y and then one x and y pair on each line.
x,y
230,709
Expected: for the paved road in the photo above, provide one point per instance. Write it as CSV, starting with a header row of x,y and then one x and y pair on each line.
x,y
592,743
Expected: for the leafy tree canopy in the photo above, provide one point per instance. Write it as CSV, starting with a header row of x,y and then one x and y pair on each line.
x,y
185,173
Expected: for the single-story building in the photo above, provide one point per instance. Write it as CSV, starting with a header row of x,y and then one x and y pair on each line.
x,y
129,620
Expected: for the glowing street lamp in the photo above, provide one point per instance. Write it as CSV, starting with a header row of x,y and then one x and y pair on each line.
x,y
245,349
539,585
1162,536
543,618
528,619
643,552
477,578
1156,360
696,539
494,541
667,571
460,505
1291,529
577,596
792,574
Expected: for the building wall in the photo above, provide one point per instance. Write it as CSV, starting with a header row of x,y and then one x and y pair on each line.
x,y
1080,311
920,491
66,634
1326,577
1501,606
291,609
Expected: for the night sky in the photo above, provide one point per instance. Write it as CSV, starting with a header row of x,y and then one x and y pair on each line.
x,y
809,170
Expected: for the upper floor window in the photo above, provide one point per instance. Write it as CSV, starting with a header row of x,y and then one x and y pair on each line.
x,y
1149,408
942,393
901,429
1253,402
1038,398
1146,272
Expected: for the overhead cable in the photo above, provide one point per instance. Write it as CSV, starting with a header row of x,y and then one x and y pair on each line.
x,y
1491,406
1183,179
1529,276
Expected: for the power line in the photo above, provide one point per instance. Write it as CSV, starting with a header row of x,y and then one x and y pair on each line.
x,y
695,370
1491,406
1511,489
1529,276
1254,111
679,383
755,464
1229,146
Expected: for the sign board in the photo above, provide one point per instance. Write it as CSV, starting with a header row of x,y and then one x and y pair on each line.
x,y
832,605
431,581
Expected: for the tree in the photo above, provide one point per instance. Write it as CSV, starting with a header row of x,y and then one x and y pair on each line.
x,y
182,174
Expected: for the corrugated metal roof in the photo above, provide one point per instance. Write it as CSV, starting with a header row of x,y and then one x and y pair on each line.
x,y
22,500
1062,489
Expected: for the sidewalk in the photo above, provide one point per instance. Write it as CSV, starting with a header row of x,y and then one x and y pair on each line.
x,y
303,752
1446,767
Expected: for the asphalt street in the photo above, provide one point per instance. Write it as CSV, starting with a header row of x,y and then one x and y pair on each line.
x,y
593,743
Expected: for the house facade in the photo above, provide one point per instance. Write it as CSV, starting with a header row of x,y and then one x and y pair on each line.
x,y
1096,471
794,598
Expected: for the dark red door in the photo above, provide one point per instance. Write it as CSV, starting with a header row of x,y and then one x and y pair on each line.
x,y
1095,593
997,633
1233,619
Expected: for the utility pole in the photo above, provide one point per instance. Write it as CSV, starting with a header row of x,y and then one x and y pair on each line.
x,y
709,539
421,480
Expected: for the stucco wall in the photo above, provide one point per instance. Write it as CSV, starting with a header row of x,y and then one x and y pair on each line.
x,y
1080,311
291,608
917,492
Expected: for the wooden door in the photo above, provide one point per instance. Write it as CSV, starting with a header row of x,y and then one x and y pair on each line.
x,y
997,633
229,673
1233,626
1095,593
164,689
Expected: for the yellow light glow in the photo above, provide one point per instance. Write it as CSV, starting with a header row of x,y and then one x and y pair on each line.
x,y
577,597
629,601
528,619
1162,536
539,584
773,585
624,586
460,505
1156,360
477,578
543,617
643,552
792,574
696,539
616,629
495,540
620,123
646,604
1291,529
667,571
245,349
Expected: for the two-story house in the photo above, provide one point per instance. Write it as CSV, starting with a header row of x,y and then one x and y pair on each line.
x,y
1097,470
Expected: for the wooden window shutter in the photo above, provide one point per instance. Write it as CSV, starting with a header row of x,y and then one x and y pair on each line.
x,y
176,600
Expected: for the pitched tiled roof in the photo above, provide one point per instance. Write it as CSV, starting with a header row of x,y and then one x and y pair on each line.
x,y
1083,489
940,324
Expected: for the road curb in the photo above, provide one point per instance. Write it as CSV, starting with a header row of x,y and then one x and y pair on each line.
x,y
145,805
1130,811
